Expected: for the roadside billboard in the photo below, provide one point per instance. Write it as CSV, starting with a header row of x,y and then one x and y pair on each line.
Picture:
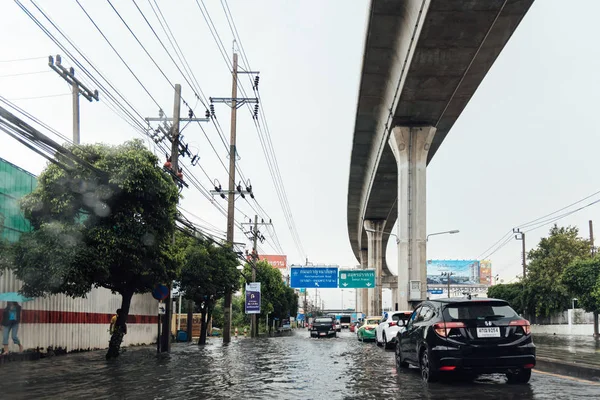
x,y
276,261
253,298
485,272
464,272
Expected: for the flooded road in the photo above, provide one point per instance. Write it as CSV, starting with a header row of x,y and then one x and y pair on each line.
x,y
292,367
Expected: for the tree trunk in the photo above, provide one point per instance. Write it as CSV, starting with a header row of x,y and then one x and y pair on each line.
x,y
596,324
203,327
208,317
190,317
114,346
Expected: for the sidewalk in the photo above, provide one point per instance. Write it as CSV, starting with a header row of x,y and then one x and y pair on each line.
x,y
576,356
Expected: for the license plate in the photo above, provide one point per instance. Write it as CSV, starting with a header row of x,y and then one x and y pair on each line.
x,y
488,332
322,333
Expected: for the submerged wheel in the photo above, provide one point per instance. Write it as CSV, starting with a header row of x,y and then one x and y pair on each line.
x,y
400,363
520,377
427,374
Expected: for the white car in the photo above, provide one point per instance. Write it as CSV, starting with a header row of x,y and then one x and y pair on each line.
x,y
385,333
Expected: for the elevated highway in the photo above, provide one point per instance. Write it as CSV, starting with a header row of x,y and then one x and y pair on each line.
x,y
423,61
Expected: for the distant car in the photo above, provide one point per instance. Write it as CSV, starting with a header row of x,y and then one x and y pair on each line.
x,y
346,321
338,325
472,336
353,326
323,327
367,330
285,325
385,334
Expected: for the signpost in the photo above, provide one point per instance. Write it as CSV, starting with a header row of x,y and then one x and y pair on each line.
x,y
357,278
160,293
253,298
314,277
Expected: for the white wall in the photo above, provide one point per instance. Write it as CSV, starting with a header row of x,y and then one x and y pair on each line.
x,y
583,330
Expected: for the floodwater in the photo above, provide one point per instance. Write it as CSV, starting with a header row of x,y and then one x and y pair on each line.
x,y
290,367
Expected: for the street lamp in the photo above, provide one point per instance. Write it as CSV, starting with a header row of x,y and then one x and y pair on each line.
x,y
452,232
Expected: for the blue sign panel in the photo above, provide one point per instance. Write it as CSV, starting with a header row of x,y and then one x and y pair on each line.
x,y
436,291
314,277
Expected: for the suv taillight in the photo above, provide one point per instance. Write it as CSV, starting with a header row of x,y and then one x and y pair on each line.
x,y
443,328
392,324
523,323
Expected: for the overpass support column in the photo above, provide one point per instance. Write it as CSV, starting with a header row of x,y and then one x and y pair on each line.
x,y
410,146
363,306
374,230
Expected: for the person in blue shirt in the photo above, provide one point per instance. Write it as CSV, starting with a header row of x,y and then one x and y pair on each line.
x,y
11,317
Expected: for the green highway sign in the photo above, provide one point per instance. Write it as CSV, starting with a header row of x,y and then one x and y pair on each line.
x,y
357,278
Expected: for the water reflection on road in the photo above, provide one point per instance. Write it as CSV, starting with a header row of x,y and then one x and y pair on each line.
x,y
293,367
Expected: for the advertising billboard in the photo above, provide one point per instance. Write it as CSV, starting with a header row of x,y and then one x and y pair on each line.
x,y
275,260
485,272
464,272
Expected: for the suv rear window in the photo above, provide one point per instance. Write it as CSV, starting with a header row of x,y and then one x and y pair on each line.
x,y
401,317
478,310
330,320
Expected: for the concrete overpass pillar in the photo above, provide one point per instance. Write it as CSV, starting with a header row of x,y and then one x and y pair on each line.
x,y
395,299
374,230
410,146
363,306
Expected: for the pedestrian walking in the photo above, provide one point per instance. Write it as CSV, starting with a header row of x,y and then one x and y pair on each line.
x,y
11,317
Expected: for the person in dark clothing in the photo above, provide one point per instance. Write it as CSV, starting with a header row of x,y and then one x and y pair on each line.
x,y
11,317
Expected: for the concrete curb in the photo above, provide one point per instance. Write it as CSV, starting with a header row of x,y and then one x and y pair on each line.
x,y
576,370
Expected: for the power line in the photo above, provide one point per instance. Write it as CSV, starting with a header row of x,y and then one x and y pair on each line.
x,y
24,73
22,59
40,97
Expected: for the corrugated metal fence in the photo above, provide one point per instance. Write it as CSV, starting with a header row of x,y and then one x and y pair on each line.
x,y
80,323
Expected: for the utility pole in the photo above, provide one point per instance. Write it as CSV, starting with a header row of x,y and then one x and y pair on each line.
x,y
256,236
448,274
592,238
76,87
234,103
521,236
166,333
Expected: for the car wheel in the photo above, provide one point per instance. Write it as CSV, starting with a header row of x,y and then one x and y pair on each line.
x,y
400,363
520,377
427,374
386,345
377,340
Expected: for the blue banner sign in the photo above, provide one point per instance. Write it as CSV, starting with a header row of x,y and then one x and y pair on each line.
x,y
435,291
314,277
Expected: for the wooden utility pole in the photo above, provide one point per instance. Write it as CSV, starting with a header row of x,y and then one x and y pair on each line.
x,y
166,329
76,87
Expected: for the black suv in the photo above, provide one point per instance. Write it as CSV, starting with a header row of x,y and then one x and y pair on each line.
x,y
473,336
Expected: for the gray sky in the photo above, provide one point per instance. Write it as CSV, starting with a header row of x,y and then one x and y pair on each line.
x,y
524,147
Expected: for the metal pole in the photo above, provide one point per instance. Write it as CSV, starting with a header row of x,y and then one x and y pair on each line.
x,y
254,332
179,314
76,133
166,334
592,237
231,195
524,256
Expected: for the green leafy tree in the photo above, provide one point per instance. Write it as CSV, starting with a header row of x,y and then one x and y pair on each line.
x,y
511,292
111,229
582,280
545,294
277,300
207,273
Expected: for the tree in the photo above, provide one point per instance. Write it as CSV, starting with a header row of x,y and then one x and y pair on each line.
x,y
110,229
582,279
545,293
277,300
208,271
511,292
